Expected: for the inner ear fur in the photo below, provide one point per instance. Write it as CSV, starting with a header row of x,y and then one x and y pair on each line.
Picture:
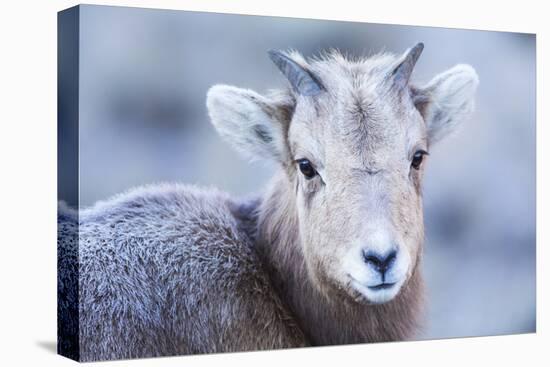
x,y
447,100
255,125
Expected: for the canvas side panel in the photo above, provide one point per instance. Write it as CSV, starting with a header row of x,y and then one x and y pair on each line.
x,y
67,182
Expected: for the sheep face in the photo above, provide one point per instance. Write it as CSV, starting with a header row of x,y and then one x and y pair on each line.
x,y
353,138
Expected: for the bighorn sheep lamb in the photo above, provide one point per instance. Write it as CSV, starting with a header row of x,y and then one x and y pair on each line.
x,y
328,255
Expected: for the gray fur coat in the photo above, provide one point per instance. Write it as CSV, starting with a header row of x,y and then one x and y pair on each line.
x,y
165,270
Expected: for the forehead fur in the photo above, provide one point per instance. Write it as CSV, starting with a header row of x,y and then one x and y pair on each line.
x,y
359,104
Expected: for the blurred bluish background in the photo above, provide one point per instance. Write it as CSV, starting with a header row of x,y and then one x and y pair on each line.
x,y
143,81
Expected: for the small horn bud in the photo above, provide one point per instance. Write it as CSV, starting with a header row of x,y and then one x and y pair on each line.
x,y
302,80
402,72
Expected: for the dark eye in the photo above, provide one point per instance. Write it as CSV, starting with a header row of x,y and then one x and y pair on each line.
x,y
417,159
306,168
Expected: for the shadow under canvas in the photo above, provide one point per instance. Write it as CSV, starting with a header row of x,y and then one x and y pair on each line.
x,y
48,345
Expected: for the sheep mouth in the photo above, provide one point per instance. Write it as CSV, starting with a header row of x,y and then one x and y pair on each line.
x,y
374,294
381,286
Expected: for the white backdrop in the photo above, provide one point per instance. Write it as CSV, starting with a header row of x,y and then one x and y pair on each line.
x,y
28,183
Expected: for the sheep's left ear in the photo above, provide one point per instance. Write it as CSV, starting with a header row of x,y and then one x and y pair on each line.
x,y
446,100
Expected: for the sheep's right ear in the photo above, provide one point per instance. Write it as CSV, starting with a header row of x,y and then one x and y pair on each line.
x,y
249,121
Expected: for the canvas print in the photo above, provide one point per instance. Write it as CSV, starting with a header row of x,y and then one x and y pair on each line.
x,y
232,183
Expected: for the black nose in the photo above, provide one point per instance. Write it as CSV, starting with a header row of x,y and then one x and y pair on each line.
x,y
378,261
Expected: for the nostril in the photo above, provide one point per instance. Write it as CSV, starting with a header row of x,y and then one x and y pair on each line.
x,y
380,262
390,258
373,259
